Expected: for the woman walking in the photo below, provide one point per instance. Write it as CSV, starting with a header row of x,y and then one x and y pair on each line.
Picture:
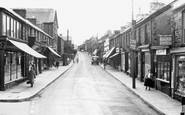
x,y
148,82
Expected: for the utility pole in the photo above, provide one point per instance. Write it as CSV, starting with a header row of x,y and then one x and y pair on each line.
x,y
67,43
132,51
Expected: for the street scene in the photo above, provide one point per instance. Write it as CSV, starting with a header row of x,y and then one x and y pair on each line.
x,y
83,90
92,57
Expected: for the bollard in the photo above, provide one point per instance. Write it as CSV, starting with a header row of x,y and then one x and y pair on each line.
x,y
183,106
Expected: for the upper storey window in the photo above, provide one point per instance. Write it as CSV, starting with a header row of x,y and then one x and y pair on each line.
x,y
183,22
11,27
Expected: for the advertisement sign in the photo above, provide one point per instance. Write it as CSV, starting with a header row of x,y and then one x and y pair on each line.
x,y
161,52
165,40
133,44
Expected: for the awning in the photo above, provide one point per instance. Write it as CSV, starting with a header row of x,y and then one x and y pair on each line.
x,y
178,50
24,47
114,55
109,53
104,56
54,52
95,51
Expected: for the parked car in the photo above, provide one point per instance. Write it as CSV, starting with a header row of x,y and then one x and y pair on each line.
x,y
94,60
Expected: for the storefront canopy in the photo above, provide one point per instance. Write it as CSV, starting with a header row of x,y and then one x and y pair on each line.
x,y
110,51
95,51
105,55
54,52
178,50
24,47
114,55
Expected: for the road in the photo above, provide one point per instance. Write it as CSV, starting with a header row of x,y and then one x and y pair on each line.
x,y
85,89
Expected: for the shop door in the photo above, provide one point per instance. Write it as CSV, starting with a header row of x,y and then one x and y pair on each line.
x,y
142,66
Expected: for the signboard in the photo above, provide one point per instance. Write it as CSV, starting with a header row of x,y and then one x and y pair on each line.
x,y
132,43
117,50
161,52
165,40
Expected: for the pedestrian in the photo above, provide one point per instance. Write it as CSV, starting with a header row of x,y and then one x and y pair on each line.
x,y
57,64
77,59
31,75
148,82
105,63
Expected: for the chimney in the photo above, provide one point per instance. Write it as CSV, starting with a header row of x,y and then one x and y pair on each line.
x,y
33,20
21,12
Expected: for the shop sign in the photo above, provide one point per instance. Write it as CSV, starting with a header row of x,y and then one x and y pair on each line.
x,y
165,39
117,50
161,52
132,43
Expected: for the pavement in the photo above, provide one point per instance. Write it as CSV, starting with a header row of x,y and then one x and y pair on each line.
x,y
24,92
162,103
155,99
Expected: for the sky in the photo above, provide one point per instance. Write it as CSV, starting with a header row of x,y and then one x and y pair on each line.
x,y
87,18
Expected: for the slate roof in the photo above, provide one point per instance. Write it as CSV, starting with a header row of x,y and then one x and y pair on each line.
x,y
42,15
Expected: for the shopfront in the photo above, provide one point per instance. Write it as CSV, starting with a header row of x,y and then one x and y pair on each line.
x,y
178,73
162,69
144,61
115,59
124,61
14,61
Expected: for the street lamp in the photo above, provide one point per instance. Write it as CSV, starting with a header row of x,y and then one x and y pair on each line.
x,y
133,47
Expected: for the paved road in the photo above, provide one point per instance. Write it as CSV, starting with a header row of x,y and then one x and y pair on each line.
x,y
83,90
88,90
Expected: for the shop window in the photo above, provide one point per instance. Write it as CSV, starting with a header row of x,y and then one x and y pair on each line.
x,y
181,75
163,67
147,60
7,66
12,67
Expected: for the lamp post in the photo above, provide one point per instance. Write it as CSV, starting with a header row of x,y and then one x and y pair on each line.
x,y
133,47
67,48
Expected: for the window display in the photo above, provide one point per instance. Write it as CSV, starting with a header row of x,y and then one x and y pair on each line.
x,y
12,66
163,67
181,75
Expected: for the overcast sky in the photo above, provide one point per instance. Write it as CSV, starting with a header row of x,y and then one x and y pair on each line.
x,y
86,18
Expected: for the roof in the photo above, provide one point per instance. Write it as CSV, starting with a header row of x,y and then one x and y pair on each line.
x,y
42,15
24,20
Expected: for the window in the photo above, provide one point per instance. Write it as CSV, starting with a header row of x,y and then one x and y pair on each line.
x,y
20,31
15,29
12,27
24,32
12,67
183,26
146,35
181,74
163,67
8,26
4,25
